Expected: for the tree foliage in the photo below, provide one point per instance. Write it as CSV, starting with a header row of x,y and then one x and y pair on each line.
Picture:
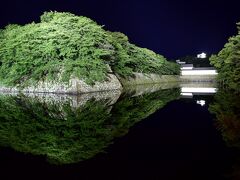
x,y
63,45
130,58
227,62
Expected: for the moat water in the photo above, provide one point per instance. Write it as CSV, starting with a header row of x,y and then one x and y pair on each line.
x,y
189,131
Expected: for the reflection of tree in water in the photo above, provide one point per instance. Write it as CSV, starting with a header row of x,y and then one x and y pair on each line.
x,y
226,107
130,110
62,134
227,110
67,134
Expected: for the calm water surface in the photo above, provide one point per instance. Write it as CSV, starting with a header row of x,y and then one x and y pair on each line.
x,y
148,132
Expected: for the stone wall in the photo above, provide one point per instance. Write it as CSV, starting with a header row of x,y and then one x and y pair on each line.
x,y
78,86
75,86
198,78
140,78
113,82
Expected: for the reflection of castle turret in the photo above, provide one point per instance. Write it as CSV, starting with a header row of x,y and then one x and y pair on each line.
x,y
191,89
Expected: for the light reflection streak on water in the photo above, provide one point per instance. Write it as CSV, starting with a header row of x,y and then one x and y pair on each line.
x,y
190,91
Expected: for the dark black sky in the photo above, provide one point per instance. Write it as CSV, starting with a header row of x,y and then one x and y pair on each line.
x,y
171,28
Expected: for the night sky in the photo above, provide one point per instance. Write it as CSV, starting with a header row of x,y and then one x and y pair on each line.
x,y
171,28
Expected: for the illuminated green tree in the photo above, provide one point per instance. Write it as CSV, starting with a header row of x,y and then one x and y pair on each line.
x,y
227,62
63,45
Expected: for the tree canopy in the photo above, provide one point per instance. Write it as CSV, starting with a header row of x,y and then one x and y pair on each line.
x,y
227,62
64,45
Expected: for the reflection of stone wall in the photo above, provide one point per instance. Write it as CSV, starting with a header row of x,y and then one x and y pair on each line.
x,y
75,101
138,90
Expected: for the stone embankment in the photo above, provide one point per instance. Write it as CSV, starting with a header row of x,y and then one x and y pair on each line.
x,y
113,82
77,86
